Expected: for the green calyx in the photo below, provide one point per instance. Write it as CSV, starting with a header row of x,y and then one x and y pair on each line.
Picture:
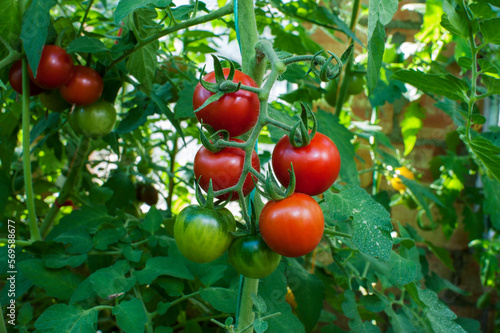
x,y
300,135
273,190
211,141
208,202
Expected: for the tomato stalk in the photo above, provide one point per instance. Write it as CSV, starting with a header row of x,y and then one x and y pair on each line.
x,y
79,158
87,10
28,180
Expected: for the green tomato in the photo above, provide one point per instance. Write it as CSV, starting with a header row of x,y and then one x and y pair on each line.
x,y
203,234
390,54
53,100
331,92
251,257
356,84
95,120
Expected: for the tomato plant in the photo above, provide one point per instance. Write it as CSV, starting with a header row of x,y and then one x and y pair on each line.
x,y
396,182
224,168
84,88
293,226
16,80
235,112
53,100
55,68
203,234
95,120
316,165
251,257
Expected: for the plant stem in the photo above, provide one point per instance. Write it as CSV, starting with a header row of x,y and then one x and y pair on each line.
x,y
245,315
3,328
28,180
226,10
87,10
336,233
79,158
474,75
18,242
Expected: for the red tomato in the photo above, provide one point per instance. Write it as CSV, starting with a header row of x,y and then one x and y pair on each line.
x,y
316,165
224,168
16,80
293,226
236,112
84,88
55,68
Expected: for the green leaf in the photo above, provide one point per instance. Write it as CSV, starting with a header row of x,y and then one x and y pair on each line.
x,y
184,106
157,266
487,154
142,64
131,316
221,299
10,29
83,291
62,260
105,237
329,125
212,274
123,190
25,314
86,45
350,309
131,254
421,193
456,17
371,221
44,278
376,45
259,304
260,325
67,318
134,118
441,318
482,10
491,83
125,7
78,239
490,31
411,125
491,189
403,270
445,85
111,280
308,291
152,221
36,21
45,122
442,254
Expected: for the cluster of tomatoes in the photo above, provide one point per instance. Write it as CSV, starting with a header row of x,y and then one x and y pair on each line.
x,y
61,84
290,227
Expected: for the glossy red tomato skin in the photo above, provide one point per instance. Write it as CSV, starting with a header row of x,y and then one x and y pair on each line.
x,y
16,80
292,227
84,88
235,112
54,69
316,165
224,168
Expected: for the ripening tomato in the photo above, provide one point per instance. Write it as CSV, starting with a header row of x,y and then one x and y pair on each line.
x,y
235,112
316,165
84,88
147,193
356,84
203,234
251,257
53,100
396,182
224,168
95,120
16,80
331,92
54,69
293,226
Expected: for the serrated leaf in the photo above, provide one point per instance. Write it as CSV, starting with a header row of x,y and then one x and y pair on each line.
x,y
442,254
491,83
152,221
142,64
411,125
158,266
221,299
371,221
125,7
490,31
421,193
259,303
487,155
376,46
441,318
131,254
36,21
78,239
441,84
25,314
349,307
86,45
67,318
491,199
184,106
111,280
44,278
105,237
10,29
402,269
131,316
456,17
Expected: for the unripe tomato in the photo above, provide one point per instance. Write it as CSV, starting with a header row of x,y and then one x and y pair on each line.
x,y
316,165
54,69
202,234
331,92
147,193
93,120
292,227
396,182
251,257
53,100
235,112
16,80
84,88
224,168
356,84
